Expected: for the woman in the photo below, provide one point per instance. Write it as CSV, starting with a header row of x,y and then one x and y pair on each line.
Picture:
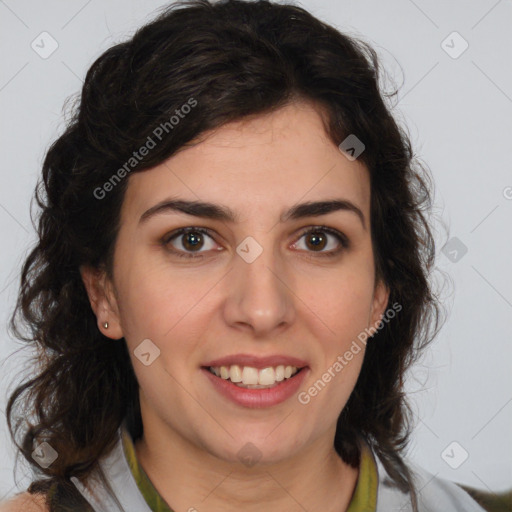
x,y
230,280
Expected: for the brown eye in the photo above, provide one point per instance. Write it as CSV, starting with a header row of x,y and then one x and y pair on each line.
x,y
186,241
318,238
192,240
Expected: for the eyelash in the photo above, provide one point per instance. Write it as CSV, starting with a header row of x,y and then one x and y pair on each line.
x,y
345,244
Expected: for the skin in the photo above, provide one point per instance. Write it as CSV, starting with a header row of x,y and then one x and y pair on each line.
x,y
289,301
25,502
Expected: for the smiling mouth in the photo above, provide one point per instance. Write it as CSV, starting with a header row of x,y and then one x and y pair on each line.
x,y
252,378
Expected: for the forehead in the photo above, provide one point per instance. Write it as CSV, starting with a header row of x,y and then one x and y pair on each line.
x,y
260,164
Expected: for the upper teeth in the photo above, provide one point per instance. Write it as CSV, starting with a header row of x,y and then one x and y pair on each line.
x,y
250,375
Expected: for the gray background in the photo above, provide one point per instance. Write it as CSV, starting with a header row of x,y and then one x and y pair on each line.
x,y
458,111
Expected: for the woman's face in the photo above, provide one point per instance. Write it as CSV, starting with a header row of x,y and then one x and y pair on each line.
x,y
255,289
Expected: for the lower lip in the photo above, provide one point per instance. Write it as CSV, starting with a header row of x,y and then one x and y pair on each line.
x,y
258,398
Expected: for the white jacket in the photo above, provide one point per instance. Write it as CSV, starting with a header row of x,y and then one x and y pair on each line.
x,y
434,494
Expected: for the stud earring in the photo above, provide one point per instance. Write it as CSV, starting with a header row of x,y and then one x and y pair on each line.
x,y
105,325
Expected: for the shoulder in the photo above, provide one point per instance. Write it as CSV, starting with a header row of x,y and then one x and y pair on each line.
x,y
439,492
25,502
433,493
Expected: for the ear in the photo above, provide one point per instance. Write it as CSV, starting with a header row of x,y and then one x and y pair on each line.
x,y
103,301
380,301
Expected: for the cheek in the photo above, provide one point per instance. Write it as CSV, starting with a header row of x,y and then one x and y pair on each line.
x,y
330,388
341,303
155,302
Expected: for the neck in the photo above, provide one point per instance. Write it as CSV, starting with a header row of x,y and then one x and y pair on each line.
x,y
186,476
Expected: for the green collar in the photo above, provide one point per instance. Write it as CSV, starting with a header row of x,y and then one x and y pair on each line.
x,y
364,498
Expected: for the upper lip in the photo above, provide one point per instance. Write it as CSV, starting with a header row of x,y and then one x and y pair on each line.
x,y
257,361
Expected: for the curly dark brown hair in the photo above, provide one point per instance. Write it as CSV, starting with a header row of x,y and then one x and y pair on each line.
x,y
236,58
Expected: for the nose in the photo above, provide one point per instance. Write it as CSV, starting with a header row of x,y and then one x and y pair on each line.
x,y
260,297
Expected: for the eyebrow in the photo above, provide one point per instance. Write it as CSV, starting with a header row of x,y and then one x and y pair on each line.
x,y
224,213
